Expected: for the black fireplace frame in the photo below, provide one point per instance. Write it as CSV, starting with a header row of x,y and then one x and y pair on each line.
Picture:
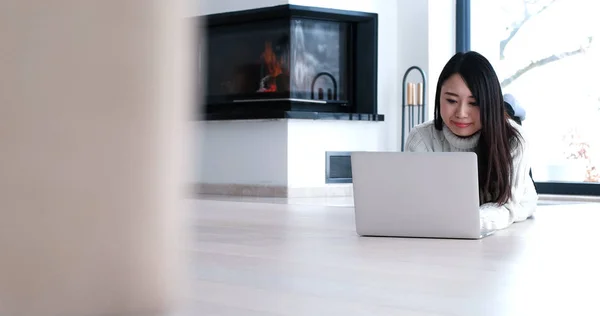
x,y
362,68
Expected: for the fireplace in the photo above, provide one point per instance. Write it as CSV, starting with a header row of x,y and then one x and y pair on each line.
x,y
290,62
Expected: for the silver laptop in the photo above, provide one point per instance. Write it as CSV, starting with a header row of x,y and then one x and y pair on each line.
x,y
426,195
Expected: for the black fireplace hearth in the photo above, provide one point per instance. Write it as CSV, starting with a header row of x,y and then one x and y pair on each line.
x,y
290,62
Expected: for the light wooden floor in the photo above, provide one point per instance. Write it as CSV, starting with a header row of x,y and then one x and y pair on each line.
x,y
254,258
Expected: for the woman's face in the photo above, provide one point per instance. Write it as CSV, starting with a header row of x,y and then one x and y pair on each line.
x,y
458,108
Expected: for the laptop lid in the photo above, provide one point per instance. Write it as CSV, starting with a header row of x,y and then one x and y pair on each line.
x,y
408,194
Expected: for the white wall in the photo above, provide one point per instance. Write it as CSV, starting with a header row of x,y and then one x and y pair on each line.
x,y
309,140
412,34
442,43
244,152
203,7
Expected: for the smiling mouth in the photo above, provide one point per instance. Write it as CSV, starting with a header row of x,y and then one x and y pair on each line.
x,y
461,125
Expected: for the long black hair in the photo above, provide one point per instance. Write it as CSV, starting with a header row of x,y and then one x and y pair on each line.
x,y
497,136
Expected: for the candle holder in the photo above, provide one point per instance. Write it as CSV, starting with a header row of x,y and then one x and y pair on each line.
x,y
413,103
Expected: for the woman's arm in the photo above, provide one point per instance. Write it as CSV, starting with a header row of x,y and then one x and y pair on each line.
x,y
524,197
415,142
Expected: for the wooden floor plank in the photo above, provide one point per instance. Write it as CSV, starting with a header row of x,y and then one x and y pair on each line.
x,y
253,258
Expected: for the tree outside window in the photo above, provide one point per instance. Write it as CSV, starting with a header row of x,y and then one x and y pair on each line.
x,y
546,53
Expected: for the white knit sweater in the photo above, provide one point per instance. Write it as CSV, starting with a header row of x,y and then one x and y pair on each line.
x,y
425,137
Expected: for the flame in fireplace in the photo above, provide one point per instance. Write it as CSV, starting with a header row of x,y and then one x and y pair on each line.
x,y
273,65
274,69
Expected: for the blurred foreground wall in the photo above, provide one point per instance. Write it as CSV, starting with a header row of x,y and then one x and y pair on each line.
x,y
93,150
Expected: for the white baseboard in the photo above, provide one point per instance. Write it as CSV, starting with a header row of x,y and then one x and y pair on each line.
x,y
259,190
254,190
330,190
568,198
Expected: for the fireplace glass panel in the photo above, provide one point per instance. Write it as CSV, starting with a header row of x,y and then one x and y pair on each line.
x,y
319,59
249,60
275,59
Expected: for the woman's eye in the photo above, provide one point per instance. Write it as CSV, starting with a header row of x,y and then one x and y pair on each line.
x,y
473,104
451,101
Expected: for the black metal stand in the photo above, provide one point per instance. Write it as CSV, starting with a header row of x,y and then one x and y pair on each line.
x,y
409,110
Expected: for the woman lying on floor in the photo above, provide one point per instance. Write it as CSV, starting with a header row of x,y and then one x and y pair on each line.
x,y
470,115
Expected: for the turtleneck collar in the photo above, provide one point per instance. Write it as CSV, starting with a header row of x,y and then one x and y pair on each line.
x,y
462,143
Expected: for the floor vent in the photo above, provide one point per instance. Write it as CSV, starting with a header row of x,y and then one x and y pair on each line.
x,y
338,168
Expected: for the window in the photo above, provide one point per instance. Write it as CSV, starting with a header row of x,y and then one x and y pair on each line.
x,y
546,54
